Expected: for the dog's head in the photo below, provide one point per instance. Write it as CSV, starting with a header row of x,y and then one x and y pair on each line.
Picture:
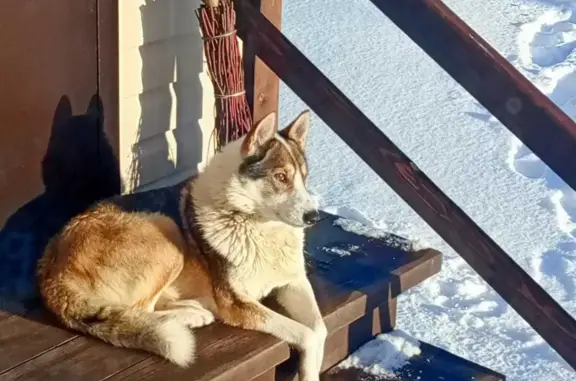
x,y
274,171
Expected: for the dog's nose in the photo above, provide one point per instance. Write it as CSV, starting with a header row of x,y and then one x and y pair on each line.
x,y
311,217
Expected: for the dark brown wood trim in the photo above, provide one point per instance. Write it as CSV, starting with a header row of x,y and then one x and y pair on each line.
x,y
108,72
262,84
266,376
490,78
526,296
428,263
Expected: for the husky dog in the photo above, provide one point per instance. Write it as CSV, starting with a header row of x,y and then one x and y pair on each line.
x,y
138,280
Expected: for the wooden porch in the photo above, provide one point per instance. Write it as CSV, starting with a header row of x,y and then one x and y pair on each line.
x,y
357,293
357,281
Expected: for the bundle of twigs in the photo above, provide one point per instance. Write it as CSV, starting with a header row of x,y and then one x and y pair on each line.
x,y
218,24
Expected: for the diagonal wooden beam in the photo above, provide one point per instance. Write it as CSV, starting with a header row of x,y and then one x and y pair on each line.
x,y
492,263
491,79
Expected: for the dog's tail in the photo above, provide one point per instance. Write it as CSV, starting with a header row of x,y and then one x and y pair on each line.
x,y
155,332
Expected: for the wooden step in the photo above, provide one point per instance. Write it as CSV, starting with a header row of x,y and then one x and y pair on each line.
x,y
357,292
357,295
432,364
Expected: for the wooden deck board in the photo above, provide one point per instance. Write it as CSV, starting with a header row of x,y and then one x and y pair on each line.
x,y
374,271
80,359
22,339
221,350
226,354
347,287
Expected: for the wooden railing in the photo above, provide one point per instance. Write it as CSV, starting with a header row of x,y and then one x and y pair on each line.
x,y
497,85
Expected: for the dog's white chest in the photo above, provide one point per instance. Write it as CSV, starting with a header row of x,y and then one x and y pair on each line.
x,y
273,263
260,286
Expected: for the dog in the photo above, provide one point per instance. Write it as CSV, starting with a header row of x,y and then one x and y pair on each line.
x,y
139,280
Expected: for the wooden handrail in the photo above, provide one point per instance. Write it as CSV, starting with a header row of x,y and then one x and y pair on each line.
x,y
491,79
492,263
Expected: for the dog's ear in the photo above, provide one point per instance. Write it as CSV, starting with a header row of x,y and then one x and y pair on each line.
x,y
259,135
62,113
95,107
298,129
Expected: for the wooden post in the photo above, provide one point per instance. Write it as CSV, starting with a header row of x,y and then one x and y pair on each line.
x,y
108,83
262,84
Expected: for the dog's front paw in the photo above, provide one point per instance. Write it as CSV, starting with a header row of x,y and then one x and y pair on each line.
x,y
311,356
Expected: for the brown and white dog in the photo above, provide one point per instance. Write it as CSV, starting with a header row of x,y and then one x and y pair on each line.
x,y
134,280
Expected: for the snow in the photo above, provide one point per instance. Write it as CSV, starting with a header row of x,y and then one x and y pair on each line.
x,y
352,220
477,162
351,249
383,355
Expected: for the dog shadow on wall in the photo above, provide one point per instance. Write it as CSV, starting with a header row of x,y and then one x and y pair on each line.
x,y
78,168
168,138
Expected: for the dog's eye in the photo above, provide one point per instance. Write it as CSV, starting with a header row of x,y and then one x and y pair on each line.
x,y
281,177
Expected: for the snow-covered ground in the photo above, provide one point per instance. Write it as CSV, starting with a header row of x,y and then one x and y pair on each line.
x,y
500,184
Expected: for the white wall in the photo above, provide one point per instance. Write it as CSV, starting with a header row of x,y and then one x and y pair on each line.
x,y
166,98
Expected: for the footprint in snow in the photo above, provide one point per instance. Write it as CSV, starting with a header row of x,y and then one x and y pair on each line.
x,y
550,40
548,51
474,300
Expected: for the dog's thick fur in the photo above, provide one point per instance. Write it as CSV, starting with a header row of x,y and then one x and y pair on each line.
x,y
137,280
